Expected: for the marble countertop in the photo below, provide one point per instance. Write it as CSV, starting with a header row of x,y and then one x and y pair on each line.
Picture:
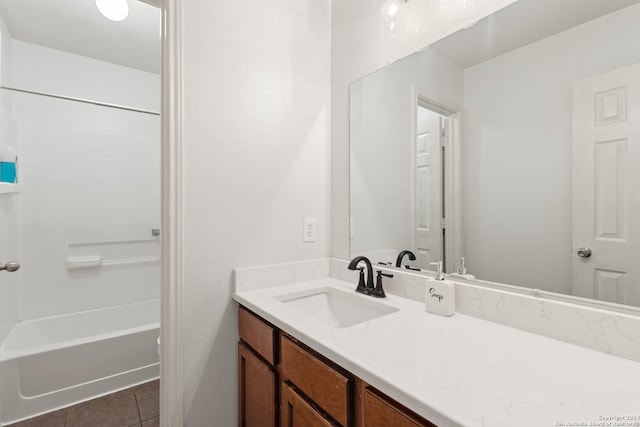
x,y
464,371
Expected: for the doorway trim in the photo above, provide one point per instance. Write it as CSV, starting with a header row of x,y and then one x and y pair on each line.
x,y
452,188
171,374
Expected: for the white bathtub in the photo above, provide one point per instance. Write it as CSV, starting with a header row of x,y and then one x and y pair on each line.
x,y
53,362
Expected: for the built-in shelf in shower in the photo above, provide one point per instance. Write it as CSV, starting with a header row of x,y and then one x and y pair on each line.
x,y
97,261
9,188
112,253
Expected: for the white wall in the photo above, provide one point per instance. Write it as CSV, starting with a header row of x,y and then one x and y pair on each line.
x,y
256,161
379,140
358,49
382,107
90,174
517,150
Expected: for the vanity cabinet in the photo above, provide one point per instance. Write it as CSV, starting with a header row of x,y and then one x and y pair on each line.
x,y
257,390
323,383
283,382
378,410
297,412
257,373
258,334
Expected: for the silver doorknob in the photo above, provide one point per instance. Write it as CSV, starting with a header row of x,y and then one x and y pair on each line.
x,y
584,252
11,266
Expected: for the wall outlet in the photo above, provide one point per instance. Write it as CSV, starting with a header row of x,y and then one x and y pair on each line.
x,y
309,230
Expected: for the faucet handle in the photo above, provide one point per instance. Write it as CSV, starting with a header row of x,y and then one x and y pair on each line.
x,y
361,286
439,272
378,292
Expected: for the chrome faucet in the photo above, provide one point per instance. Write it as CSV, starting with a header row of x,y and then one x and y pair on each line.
x,y
401,255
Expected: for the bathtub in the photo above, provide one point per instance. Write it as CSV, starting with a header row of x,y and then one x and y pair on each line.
x,y
53,362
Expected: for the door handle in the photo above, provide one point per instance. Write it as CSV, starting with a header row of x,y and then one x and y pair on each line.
x,y
11,266
584,252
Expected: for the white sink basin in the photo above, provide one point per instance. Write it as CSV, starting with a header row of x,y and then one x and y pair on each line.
x,y
335,307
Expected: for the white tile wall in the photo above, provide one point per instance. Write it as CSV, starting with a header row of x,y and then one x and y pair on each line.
x,y
89,174
9,283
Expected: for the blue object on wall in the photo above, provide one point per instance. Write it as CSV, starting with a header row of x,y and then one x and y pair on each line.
x,y
7,172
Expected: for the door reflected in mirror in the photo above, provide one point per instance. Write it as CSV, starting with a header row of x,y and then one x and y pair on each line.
x,y
543,116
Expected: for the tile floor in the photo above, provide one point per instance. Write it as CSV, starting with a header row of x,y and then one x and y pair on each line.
x,y
138,406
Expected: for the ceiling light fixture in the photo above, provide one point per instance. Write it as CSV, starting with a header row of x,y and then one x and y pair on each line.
x,y
392,18
115,10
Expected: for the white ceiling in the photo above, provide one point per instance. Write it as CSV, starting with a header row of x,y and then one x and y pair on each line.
x,y
519,24
76,26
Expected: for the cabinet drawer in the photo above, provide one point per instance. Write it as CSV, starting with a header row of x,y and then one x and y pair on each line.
x,y
260,335
323,384
381,411
296,412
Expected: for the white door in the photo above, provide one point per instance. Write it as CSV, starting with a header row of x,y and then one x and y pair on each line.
x,y
606,186
428,187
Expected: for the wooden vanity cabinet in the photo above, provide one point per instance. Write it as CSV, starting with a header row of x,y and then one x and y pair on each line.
x,y
257,373
379,410
257,388
284,383
295,411
258,334
325,384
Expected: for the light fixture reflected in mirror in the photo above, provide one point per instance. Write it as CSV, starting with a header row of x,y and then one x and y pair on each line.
x,y
115,10
392,18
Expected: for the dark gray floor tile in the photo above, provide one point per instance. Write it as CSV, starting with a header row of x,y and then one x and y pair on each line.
x,y
125,408
153,422
148,397
52,419
154,383
108,411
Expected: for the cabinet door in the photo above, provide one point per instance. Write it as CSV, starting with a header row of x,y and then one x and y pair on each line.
x,y
256,391
296,412
382,412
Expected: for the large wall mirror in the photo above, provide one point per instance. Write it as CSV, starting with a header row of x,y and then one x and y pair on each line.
x,y
514,144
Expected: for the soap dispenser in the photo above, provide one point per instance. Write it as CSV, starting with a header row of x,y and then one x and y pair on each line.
x,y
462,271
439,297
